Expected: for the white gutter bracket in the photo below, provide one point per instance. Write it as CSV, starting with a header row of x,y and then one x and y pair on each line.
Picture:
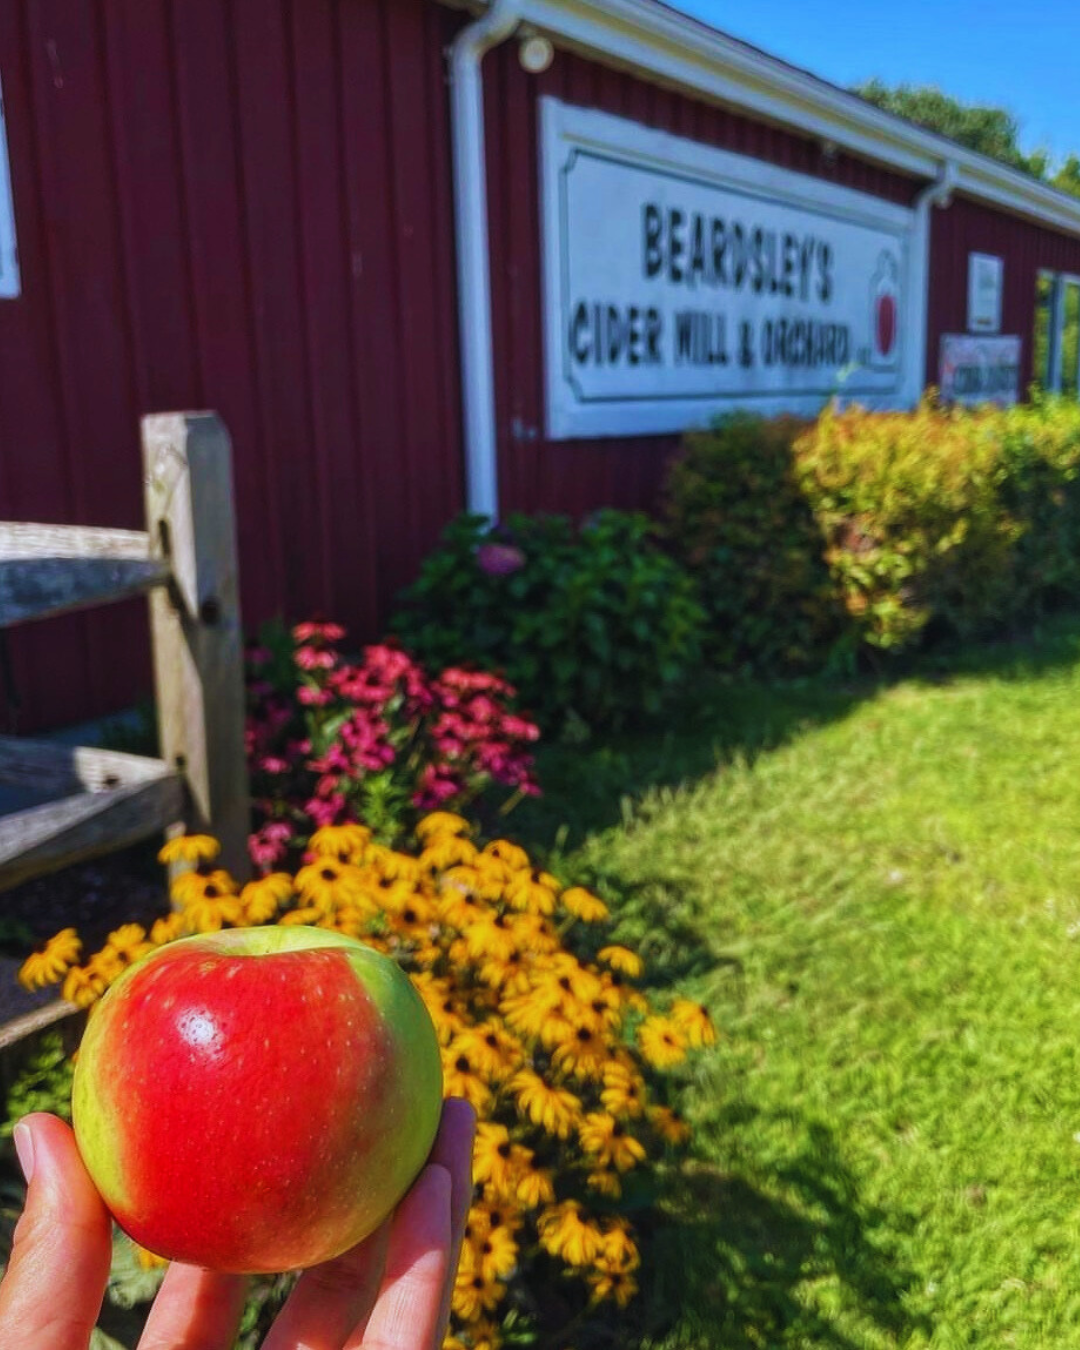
x,y
938,193
497,23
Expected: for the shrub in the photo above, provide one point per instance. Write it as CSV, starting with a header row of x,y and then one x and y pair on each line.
x,y
594,623
737,517
1041,489
543,1028
379,740
909,507
874,531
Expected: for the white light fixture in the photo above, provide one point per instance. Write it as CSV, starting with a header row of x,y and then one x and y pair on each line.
x,y
535,54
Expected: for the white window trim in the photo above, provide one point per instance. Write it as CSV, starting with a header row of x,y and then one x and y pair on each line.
x,y
1058,282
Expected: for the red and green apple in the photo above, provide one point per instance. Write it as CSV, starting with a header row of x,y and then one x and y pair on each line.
x,y
257,1100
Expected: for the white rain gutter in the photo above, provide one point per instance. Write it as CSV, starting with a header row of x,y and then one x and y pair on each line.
x,y
937,193
473,265
669,48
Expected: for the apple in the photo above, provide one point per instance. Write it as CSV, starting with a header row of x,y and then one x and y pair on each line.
x,y
257,1100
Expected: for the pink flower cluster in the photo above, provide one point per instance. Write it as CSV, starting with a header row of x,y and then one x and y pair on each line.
x,y
373,740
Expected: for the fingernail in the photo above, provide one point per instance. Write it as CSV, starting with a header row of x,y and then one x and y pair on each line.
x,y
24,1147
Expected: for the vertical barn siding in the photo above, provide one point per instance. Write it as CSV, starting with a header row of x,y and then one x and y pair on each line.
x,y
970,227
577,476
244,205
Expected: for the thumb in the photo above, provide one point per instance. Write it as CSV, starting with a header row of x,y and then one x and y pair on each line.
x,y
51,1295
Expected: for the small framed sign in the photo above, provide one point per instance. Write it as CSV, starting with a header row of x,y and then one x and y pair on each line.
x,y
986,274
9,256
980,370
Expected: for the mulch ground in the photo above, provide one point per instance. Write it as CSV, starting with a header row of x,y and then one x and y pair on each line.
x,y
93,897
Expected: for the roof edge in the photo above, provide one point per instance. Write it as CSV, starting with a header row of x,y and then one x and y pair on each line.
x,y
674,49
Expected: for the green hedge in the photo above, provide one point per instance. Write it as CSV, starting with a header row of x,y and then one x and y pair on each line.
x,y
877,530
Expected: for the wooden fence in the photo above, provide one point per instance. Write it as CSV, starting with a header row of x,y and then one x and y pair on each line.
x,y
186,561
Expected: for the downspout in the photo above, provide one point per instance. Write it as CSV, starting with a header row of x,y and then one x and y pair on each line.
x,y
473,261
937,193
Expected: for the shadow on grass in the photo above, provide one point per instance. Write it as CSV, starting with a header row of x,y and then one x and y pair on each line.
x,y
804,1263
592,786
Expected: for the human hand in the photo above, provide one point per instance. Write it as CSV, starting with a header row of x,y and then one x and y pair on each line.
x,y
391,1292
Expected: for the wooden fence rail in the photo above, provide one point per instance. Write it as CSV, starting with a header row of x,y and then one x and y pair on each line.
x,y
186,562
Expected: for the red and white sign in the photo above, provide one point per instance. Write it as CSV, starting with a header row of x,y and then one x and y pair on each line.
x,y
681,281
980,370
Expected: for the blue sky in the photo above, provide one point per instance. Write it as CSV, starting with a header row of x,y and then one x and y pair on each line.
x,y
995,51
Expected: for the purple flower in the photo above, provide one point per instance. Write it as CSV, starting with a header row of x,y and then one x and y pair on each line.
x,y
499,560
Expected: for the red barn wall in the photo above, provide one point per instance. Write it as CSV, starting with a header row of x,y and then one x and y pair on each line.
x,y
577,476
971,227
245,207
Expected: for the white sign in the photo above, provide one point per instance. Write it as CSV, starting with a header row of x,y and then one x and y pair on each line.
x,y
985,276
9,261
681,281
980,370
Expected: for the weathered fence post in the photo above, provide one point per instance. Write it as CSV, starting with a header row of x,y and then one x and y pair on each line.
x,y
195,621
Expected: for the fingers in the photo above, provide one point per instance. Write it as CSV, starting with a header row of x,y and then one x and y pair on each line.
x,y
330,1300
194,1310
334,1300
408,1310
453,1150
413,1307
51,1295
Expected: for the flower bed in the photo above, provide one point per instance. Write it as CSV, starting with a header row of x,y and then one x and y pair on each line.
x,y
543,1025
332,740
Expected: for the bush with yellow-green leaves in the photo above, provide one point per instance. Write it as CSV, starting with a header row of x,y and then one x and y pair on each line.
x,y
543,1026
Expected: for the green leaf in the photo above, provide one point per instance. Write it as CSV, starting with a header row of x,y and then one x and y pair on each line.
x,y
100,1341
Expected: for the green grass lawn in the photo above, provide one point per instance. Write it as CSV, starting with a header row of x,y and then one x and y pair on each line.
x,y
876,889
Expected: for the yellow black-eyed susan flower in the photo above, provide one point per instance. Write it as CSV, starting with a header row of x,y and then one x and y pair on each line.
x,y
668,1125
662,1041
533,891
494,1253
493,1156
442,822
462,1078
618,1286
566,1233
623,1093
327,881
533,1186
610,1142
490,938
346,842
621,959
262,898
189,848
583,1054
215,885
447,850
167,929
304,916
83,986
394,865
605,1182
573,980
513,856
473,1295
129,942
555,1109
583,905
694,1021
52,962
